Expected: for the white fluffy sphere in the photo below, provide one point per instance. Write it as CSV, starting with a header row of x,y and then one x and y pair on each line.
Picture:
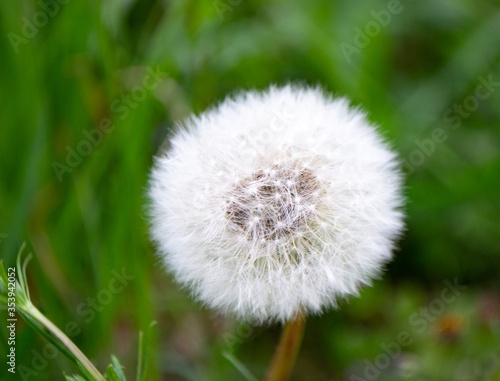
x,y
276,203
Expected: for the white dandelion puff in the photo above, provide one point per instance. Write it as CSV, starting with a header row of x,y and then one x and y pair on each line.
x,y
276,203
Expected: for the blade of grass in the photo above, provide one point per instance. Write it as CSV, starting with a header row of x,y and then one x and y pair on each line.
x,y
118,367
42,324
112,376
239,365
143,355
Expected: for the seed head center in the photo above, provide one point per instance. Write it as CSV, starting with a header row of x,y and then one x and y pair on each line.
x,y
273,203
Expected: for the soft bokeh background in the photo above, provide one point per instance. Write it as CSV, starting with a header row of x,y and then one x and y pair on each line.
x,y
417,75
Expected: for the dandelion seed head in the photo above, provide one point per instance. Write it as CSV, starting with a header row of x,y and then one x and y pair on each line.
x,y
282,212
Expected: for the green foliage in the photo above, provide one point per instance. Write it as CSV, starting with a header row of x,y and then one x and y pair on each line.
x,y
111,374
16,289
74,378
239,365
83,215
117,368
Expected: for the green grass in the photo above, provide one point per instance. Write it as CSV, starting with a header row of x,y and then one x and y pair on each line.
x,y
73,74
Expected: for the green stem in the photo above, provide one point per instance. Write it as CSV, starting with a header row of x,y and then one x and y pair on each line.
x,y
287,350
40,323
51,332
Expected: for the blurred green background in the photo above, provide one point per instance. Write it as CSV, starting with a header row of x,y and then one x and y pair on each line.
x,y
72,80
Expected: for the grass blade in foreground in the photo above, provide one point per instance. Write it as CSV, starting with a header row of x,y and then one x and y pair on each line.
x,y
40,323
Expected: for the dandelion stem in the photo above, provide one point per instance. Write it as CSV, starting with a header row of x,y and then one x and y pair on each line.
x,y
287,350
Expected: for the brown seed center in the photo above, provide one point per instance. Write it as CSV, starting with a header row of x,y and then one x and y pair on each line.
x,y
273,203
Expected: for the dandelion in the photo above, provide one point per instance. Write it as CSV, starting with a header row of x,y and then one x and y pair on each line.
x,y
276,204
